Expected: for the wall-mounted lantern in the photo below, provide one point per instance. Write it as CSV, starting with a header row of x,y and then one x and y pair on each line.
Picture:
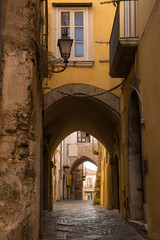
x,y
64,45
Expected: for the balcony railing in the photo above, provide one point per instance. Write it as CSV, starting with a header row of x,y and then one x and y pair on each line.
x,y
123,41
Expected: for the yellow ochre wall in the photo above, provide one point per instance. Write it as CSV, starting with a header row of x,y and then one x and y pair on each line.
x,y
106,190
98,74
148,73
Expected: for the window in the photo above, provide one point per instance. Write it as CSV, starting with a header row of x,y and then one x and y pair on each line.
x,y
73,23
83,137
89,182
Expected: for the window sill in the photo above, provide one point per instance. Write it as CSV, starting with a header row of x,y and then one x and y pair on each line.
x,y
72,4
86,64
84,143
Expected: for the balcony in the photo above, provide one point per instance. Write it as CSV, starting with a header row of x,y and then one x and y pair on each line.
x,y
123,41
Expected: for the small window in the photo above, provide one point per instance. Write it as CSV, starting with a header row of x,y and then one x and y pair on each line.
x,y
73,23
83,137
89,182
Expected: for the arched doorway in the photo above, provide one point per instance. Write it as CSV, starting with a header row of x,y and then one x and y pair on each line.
x,y
135,170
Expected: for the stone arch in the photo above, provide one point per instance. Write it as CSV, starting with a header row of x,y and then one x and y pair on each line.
x,y
108,99
76,190
96,115
80,161
135,169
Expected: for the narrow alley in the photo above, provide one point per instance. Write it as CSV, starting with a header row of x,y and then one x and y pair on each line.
x,y
79,119
72,219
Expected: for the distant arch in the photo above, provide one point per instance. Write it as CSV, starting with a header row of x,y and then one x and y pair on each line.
x,y
81,160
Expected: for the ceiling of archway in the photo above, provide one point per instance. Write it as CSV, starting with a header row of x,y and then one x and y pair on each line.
x,y
64,115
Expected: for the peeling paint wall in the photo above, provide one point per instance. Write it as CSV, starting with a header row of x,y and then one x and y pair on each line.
x,y
21,122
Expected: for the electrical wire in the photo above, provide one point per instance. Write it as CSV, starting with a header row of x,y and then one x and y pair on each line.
x,y
149,19
84,95
117,1
137,77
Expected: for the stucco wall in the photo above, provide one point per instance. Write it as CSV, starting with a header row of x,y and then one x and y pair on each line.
x,y
147,71
106,184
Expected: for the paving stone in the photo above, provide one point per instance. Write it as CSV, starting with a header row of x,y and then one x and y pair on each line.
x,y
81,220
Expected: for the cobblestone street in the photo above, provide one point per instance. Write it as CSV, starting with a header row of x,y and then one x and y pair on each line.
x,y
81,220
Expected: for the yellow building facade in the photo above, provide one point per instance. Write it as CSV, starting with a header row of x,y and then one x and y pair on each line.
x,y
106,184
125,120
93,67
139,120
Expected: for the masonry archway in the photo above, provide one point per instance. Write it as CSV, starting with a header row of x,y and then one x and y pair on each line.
x,y
135,170
97,115
77,177
80,161
65,114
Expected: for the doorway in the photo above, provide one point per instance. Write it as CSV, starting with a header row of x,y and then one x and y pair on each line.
x,y
135,170
115,183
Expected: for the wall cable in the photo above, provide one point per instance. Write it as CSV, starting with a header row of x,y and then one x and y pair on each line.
x,y
84,95
149,19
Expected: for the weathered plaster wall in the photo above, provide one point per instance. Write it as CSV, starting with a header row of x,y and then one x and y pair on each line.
x,y
20,136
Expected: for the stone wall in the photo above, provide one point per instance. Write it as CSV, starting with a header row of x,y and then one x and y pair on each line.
x,y
21,122
84,150
77,184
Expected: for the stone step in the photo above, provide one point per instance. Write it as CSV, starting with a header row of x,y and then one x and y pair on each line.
x,y
140,226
